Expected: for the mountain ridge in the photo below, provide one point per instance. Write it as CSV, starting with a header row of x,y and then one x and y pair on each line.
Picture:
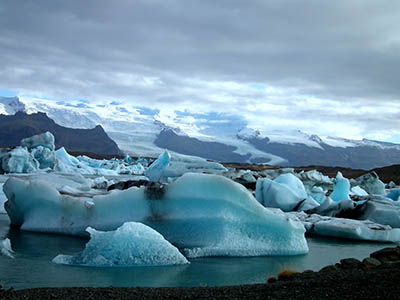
x,y
143,132
13,128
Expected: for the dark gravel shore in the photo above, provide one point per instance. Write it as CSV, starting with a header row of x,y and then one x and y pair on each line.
x,y
376,277
380,282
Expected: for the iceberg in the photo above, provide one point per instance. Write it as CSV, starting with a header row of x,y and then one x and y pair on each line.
x,y
3,199
371,183
180,164
19,160
132,244
382,210
358,191
45,157
5,248
394,194
341,189
347,228
286,192
45,140
201,213
156,169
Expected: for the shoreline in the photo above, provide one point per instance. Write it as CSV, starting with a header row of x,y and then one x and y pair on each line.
x,y
376,277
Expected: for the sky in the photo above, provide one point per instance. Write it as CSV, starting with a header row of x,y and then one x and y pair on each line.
x,y
324,67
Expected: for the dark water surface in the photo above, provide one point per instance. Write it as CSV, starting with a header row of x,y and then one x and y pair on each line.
x,y
32,266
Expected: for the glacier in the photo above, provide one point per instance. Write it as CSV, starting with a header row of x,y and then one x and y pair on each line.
x,y
132,244
201,213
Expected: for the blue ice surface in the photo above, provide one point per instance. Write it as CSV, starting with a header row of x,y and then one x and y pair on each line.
x,y
394,194
45,140
341,189
19,160
132,244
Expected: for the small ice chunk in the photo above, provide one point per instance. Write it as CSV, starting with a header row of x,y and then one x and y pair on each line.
x,y
132,244
358,191
341,190
318,194
155,171
5,248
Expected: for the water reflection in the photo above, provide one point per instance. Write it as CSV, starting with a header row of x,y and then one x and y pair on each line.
x,y
32,266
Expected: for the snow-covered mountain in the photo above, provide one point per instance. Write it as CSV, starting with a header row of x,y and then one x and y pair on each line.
x,y
141,131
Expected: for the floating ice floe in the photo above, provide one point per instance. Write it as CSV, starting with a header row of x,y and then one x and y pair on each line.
x,y
347,228
5,248
381,210
132,244
207,215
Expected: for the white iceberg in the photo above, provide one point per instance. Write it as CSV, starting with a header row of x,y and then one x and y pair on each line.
x,y
358,191
5,248
132,244
197,211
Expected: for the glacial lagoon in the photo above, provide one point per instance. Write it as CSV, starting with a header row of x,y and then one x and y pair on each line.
x,y
32,266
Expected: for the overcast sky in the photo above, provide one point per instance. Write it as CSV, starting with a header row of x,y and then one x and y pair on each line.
x,y
325,67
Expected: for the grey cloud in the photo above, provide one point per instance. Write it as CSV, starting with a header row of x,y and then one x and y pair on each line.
x,y
347,51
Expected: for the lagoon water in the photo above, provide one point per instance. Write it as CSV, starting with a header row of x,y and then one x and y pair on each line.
x,y
32,266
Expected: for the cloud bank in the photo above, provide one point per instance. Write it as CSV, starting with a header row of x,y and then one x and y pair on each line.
x,y
325,67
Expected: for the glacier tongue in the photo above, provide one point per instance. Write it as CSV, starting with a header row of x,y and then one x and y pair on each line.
x,y
132,244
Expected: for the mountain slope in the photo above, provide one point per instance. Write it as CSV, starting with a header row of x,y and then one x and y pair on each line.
x,y
13,128
147,132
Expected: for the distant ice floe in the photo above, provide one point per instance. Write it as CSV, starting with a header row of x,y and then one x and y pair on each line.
x,y
132,244
348,228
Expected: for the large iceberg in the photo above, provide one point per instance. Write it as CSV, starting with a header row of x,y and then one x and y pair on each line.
x,y
132,244
203,214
